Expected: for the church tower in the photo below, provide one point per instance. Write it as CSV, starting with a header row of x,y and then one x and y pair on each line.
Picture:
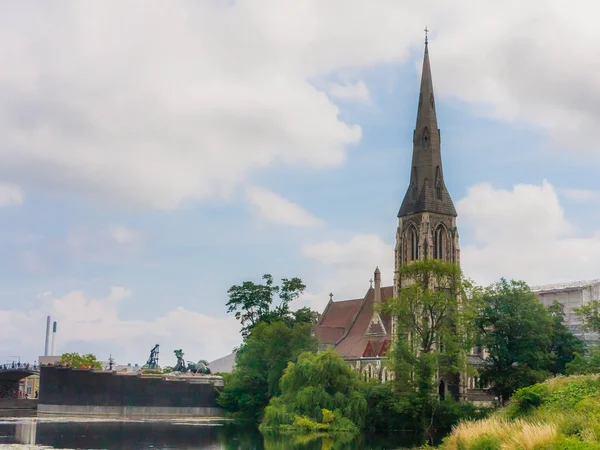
x,y
427,217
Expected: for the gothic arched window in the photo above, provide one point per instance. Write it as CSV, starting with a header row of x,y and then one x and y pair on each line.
x,y
438,184
438,242
414,244
426,139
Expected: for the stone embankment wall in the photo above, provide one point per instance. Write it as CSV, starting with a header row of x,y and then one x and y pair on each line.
x,y
71,391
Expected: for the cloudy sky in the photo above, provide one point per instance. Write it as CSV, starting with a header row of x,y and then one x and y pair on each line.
x,y
154,153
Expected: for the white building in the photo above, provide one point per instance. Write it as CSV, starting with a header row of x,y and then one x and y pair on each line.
x,y
572,295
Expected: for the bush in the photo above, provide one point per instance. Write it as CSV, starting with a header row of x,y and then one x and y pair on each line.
x,y
485,442
526,399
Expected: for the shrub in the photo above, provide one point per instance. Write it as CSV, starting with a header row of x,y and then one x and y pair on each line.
x,y
526,399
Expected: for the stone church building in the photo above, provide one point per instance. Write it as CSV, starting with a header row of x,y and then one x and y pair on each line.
x,y
426,230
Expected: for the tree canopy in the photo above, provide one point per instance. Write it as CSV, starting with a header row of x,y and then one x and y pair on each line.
x,y
433,314
318,392
260,362
253,303
78,361
517,330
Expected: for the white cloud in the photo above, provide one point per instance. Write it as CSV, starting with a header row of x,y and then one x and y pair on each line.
x,y
10,195
347,267
523,234
580,195
93,321
181,102
123,235
350,92
274,208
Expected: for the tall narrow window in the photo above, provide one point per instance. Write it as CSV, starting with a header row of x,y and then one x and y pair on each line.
x,y
438,243
438,184
425,139
414,245
413,185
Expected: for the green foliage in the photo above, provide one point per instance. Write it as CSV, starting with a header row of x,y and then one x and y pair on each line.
x,y
78,361
318,392
573,393
590,315
571,443
561,413
516,329
564,346
485,442
260,363
436,310
585,362
253,303
526,399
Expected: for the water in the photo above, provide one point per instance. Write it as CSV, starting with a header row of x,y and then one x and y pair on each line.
x,y
101,433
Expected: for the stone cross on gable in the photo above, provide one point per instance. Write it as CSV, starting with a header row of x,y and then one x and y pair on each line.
x,y
331,297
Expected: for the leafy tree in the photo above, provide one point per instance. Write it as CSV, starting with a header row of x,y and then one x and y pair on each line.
x,y
563,345
517,331
433,314
318,392
590,315
78,361
260,362
584,363
253,303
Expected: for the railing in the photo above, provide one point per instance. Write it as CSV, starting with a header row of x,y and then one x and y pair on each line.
x,y
19,366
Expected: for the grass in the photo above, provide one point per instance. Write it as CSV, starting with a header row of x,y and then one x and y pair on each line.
x,y
562,414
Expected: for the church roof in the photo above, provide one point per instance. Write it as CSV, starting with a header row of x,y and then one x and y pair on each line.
x,y
427,190
347,326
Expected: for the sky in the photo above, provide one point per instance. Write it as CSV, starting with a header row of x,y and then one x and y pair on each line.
x,y
153,154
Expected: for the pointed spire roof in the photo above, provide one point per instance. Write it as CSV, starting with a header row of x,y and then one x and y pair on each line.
x,y
427,190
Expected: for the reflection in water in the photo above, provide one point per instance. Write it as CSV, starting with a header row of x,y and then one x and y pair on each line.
x,y
182,435
25,432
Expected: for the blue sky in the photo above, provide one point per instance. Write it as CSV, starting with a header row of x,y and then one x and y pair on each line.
x,y
148,164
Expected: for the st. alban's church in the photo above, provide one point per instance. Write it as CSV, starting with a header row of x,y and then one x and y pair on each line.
x,y
426,230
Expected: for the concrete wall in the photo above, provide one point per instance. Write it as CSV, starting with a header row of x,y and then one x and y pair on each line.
x,y
17,403
64,390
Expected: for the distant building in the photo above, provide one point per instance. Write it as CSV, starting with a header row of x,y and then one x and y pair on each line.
x,y
224,364
29,386
572,295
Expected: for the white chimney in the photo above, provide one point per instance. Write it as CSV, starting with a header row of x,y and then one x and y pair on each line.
x,y
53,339
47,346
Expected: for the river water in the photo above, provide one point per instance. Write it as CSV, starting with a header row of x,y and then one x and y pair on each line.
x,y
101,433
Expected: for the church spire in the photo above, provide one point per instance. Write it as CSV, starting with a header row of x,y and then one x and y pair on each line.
x,y
427,191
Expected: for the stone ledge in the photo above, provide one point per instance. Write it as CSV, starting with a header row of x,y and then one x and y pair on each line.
x,y
148,411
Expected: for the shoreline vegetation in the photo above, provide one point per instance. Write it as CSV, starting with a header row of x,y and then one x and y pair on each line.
x,y
562,413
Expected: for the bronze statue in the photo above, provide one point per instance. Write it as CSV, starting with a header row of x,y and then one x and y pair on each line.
x,y
152,362
200,367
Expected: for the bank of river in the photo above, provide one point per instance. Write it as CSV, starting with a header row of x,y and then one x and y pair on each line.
x,y
101,433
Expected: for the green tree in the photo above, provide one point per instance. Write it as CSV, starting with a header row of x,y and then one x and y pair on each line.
x,y
433,313
516,329
318,392
590,315
260,362
585,362
254,303
564,346
78,361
